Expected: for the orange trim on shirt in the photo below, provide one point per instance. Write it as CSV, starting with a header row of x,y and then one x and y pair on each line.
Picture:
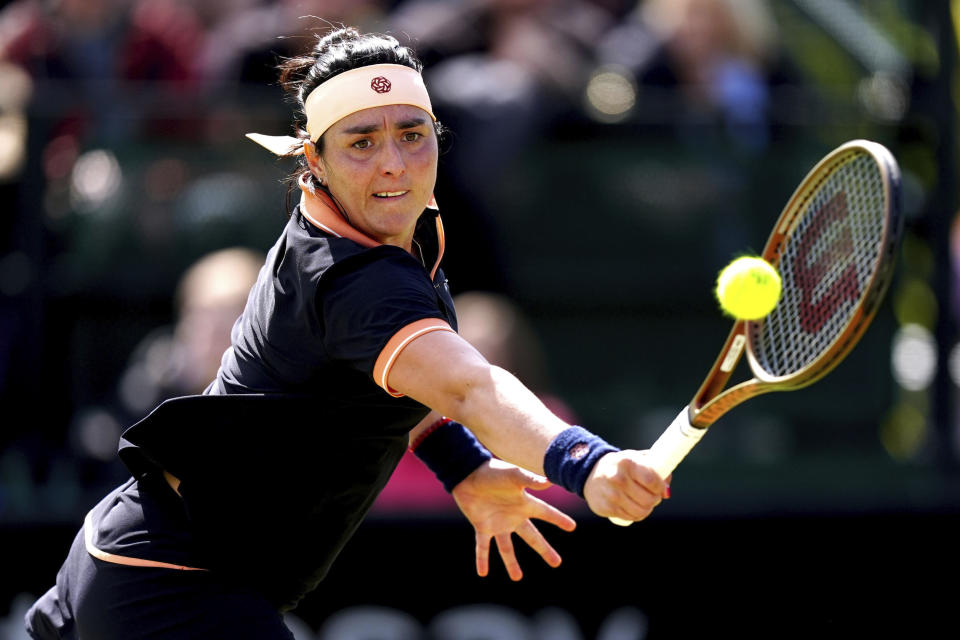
x,y
124,560
440,246
399,342
320,209
172,480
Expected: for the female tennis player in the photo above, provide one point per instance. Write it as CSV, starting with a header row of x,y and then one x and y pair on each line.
x,y
346,354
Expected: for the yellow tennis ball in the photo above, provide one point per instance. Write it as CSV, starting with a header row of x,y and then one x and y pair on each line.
x,y
748,288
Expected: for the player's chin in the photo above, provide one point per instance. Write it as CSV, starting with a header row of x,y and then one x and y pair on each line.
x,y
393,219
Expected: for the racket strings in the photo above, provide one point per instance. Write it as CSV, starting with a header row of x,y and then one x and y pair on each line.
x,y
827,264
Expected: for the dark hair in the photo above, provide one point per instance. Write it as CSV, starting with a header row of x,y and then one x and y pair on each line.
x,y
342,49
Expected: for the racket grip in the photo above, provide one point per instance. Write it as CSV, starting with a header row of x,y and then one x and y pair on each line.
x,y
674,444
671,447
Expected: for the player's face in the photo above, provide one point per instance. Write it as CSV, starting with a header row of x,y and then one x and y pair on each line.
x,y
381,166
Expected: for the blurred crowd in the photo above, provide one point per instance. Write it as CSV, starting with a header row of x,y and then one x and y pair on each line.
x,y
131,196
135,216
534,53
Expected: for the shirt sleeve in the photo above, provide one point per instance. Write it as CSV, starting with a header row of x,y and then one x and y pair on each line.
x,y
372,308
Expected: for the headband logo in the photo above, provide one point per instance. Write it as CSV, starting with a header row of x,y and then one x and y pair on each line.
x,y
380,84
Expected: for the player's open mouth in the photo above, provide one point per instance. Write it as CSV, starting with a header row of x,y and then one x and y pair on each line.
x,y
389,194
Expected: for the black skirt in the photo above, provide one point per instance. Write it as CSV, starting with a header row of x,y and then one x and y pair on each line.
x,y
114,598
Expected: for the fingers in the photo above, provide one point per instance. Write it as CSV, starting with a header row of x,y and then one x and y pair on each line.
x,y
532,536
483,555
644,491
548,513
529,533
629,506
622,486
643,475
634,511
509,557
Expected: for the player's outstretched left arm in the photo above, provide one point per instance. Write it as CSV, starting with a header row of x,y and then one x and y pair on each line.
x,y
445,373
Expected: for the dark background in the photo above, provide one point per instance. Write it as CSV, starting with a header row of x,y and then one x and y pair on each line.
x,y
830,509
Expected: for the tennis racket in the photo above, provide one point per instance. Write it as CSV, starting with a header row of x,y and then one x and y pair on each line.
x,y
834,246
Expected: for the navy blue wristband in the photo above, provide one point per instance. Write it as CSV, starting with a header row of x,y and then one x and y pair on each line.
x,y
571,456
451,452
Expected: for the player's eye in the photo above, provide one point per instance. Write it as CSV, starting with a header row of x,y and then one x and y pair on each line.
x,y
363,143
412,136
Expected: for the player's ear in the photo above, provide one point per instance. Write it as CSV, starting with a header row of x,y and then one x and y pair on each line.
x,y
314,162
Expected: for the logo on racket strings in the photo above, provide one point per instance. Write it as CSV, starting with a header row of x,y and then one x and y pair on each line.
x,y
839,251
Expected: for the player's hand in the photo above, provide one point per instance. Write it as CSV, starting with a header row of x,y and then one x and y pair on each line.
x,y
622,486
494,499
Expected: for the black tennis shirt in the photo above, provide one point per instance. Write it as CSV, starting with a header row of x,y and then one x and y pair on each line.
x,y
288,448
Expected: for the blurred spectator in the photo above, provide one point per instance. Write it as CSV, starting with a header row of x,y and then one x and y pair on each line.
x,y
718,57
157,59
67,39
14,97
162,43
184,359
500,331
85,50
73,46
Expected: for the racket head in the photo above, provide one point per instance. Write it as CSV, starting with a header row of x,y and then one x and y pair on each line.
x,y
835,247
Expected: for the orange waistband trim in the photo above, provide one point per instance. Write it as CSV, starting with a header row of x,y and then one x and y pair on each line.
x,y
172,480
124,560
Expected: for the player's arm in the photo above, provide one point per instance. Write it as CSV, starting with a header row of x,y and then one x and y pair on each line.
x,y
446,373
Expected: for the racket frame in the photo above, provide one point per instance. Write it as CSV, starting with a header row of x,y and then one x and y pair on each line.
x,y
711,402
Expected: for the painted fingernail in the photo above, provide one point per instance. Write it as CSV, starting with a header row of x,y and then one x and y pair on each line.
x,y
666,492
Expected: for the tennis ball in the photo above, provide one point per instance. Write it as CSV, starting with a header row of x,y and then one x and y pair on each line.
x,y
748,288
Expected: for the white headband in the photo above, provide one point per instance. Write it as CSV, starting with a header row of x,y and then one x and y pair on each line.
x,y
376,85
